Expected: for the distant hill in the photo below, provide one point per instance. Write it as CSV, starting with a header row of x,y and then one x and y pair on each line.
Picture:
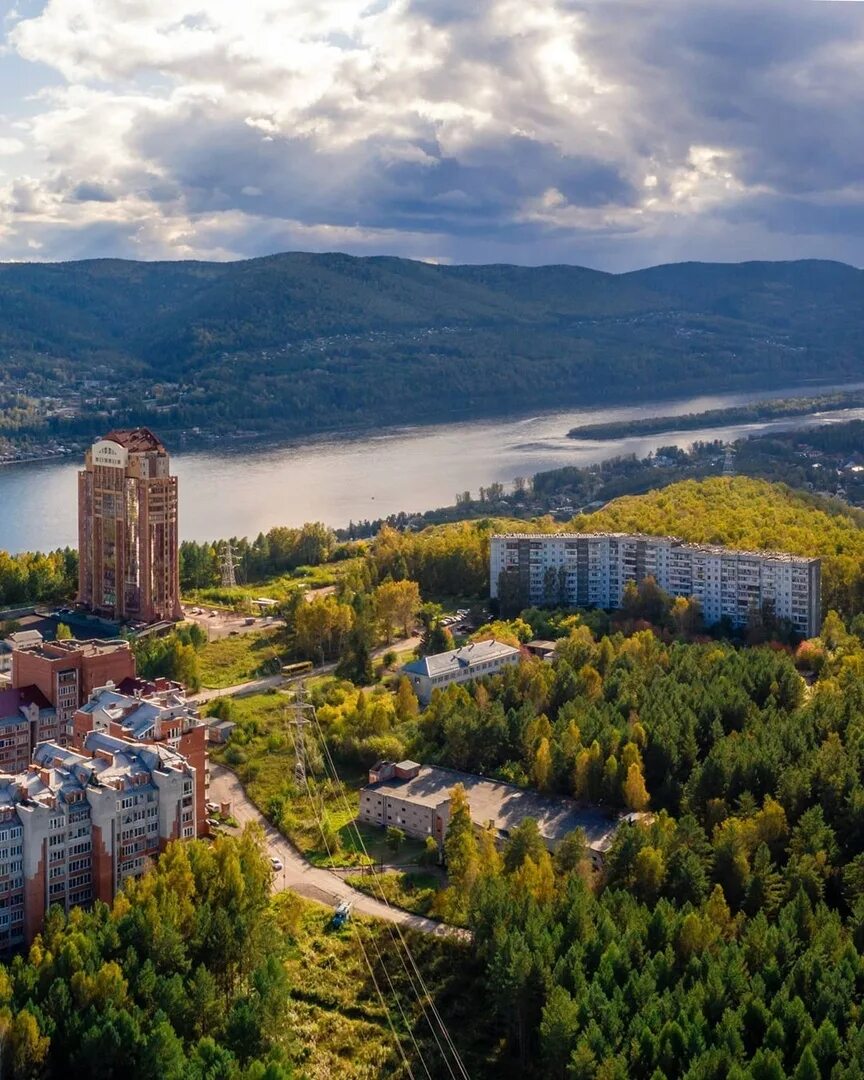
x,y
742,512
306,342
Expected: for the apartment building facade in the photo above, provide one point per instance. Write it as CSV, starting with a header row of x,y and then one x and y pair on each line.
x,y
26,719
157,715
67,672
127,529
592,570
75,826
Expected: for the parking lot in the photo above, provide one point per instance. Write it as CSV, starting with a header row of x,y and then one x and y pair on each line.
x,y
220,624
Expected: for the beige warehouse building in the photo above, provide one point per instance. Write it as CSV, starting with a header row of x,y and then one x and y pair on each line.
x,y
416,799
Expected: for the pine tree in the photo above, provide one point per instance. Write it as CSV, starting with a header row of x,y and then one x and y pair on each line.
x,y
407,706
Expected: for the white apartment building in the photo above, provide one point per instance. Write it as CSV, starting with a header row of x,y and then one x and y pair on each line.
x,y
592,570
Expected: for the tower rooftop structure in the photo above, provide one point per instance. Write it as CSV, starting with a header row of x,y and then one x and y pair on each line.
x,y
136,440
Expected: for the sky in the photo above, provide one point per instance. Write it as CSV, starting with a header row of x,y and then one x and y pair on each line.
x,y
607,134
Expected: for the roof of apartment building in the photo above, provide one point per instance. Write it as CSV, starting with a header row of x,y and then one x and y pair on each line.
x,y
57,770
468,656
109,759
22,639
58,650
676,541
140,716
11,701
136,440
503,804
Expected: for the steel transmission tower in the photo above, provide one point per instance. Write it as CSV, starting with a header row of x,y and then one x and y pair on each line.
x,y
300,714
729,461
226,563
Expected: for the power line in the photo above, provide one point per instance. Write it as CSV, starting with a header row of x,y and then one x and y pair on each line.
x,y
394,927
299,708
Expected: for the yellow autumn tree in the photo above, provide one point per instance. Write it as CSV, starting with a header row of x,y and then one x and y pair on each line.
x,y
635,793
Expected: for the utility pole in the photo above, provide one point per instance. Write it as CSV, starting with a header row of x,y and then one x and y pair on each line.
x,y
226,563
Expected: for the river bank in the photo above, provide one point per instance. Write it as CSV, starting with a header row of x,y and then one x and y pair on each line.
x,y
742,414
240,490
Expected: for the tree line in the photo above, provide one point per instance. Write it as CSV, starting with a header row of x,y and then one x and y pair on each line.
x,y
181,979
724,935
31,577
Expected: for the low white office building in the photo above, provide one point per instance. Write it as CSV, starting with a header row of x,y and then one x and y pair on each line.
x,y
458,666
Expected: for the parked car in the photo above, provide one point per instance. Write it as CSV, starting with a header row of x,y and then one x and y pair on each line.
x,y
275,863
212,822
212,807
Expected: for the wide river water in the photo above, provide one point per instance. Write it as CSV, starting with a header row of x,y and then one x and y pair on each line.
x,y
241,490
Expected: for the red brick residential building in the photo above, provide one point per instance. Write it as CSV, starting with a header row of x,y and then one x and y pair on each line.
x,y
127,529
75,826
67,672
26,719
156,713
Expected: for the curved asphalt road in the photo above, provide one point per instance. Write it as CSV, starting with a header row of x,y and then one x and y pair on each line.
x,y
298,875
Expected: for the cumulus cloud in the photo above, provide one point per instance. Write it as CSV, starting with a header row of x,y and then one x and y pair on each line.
x,y
612,133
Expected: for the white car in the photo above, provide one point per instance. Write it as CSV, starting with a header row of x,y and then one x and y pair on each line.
x,y
275,863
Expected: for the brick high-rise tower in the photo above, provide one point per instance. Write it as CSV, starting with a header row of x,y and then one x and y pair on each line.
x,y
127,529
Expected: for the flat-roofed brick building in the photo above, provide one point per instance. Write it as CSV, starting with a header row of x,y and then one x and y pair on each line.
x,y
416,799
67,672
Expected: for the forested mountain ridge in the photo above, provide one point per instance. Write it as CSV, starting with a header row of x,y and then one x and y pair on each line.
x,y
322,341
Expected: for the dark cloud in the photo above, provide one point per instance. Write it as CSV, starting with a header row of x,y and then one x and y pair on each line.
x,y
91,191
612,133
802,217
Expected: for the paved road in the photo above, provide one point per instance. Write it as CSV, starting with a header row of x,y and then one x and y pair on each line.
x,y
298,875
258,686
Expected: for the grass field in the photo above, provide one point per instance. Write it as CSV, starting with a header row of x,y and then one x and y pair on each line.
x,y
233,660
412,890
340,1027
261,752
275,588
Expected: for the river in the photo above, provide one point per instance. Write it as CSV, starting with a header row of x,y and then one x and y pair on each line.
x,y
240,491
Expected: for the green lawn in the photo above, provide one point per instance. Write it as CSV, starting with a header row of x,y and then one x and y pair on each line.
x,y
412,890
262,754
275,588
233,660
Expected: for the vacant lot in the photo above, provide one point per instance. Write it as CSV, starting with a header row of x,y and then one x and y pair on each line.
x,y
339,1025
233,660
